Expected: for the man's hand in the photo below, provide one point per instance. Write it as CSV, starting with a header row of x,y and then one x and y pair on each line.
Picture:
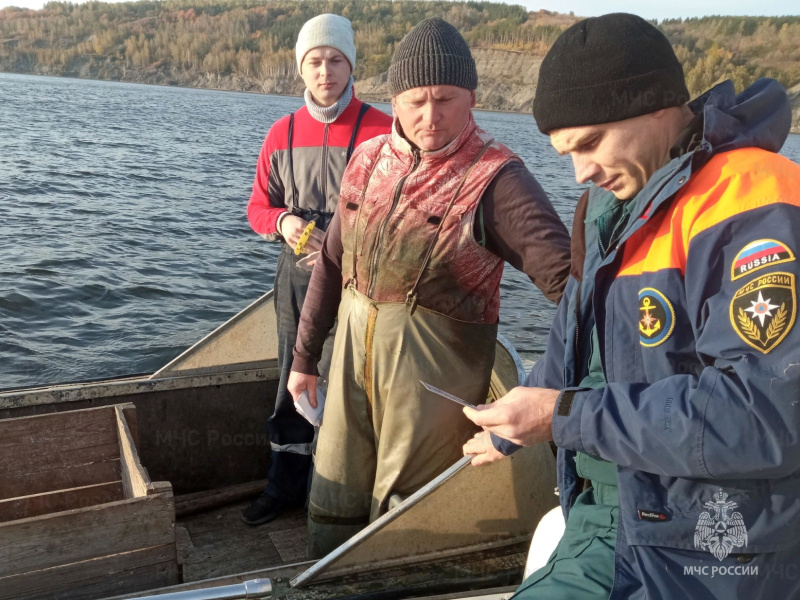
x,y
300,382
307,262
482,450
523,416
292,227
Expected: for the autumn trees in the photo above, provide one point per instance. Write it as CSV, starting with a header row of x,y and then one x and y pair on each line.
x,y
253,40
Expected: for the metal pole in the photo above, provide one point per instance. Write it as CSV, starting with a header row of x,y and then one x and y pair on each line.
x,y
377,525
256,588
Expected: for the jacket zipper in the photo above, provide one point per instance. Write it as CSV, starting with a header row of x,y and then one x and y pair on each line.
x,y
325,168
395,201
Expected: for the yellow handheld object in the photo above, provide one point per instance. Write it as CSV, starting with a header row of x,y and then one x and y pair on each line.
x,y
301,243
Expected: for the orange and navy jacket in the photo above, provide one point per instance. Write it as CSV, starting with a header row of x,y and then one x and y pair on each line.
x,y
696,315
306,176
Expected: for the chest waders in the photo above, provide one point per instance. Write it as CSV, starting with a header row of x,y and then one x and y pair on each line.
x,y
383,435
291,436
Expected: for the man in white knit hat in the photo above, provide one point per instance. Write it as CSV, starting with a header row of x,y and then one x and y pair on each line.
x,y
297,181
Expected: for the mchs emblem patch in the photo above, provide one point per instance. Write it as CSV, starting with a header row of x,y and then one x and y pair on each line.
x,y
759,254
764,310
719,530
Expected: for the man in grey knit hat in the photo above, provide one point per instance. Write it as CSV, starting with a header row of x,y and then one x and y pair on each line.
x,y
413,258
297,181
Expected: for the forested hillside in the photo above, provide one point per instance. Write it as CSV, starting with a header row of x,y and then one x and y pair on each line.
x,y
247,38
248,44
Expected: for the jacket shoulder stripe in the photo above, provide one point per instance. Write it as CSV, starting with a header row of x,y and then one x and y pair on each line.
x,y
730,184
740,181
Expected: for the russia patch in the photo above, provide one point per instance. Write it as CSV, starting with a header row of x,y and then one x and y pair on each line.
x,y
656,317
759,254
763,311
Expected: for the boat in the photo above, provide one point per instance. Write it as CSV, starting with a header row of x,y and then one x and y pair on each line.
x,y
193,436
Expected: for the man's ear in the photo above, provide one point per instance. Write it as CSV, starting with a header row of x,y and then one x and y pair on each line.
x,y
472,101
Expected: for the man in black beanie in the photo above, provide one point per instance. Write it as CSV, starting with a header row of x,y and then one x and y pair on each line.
x,y
670,381
427,218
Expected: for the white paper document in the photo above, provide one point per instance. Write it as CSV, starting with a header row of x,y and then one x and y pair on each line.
x,y
312,415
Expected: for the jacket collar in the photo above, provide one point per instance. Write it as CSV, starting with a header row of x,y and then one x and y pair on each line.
x,y
758,117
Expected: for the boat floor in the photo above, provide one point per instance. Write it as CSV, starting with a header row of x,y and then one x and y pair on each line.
x,y
216,545
217,542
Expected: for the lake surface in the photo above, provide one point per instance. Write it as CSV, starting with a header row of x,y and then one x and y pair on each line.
x,y
123,232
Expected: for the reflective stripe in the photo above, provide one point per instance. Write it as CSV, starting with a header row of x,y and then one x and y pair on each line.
x,y
292,448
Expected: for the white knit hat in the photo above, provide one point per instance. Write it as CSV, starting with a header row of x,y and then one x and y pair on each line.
x,y
326,30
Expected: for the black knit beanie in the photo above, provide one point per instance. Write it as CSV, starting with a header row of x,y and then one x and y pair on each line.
x,y
607,69
433,53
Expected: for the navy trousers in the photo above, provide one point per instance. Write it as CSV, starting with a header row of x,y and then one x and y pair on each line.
x,y
290,435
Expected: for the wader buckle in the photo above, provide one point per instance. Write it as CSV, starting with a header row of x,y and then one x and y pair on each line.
x,y
411,301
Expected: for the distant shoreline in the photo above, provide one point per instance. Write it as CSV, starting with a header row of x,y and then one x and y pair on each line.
x,y
212,89
795,130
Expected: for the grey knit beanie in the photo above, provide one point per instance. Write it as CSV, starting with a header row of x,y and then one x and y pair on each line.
x,y
326,30
607,69
433,53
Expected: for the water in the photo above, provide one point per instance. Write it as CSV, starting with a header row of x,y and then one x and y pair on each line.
x,y
123,225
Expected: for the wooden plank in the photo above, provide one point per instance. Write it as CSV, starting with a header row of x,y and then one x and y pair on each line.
x,y
131,418
122,573
64,431
183,543
134,477
219,543
291,544
35,457
189,504
159,487
59,500
227,521
31,446
227,558
61,479
86,533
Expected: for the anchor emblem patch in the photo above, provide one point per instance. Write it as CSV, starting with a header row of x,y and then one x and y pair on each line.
x,y
656,317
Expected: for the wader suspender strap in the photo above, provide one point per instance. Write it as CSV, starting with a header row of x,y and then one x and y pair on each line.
x,y
291,162
352,145
352,280
411,297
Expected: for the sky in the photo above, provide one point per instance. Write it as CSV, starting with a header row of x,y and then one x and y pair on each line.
x,y
662,9
648,9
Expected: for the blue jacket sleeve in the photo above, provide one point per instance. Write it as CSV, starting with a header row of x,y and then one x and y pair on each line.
x,y
734,412
548,371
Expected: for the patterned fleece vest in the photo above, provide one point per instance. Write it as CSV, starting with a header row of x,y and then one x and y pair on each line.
x,y
407,224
